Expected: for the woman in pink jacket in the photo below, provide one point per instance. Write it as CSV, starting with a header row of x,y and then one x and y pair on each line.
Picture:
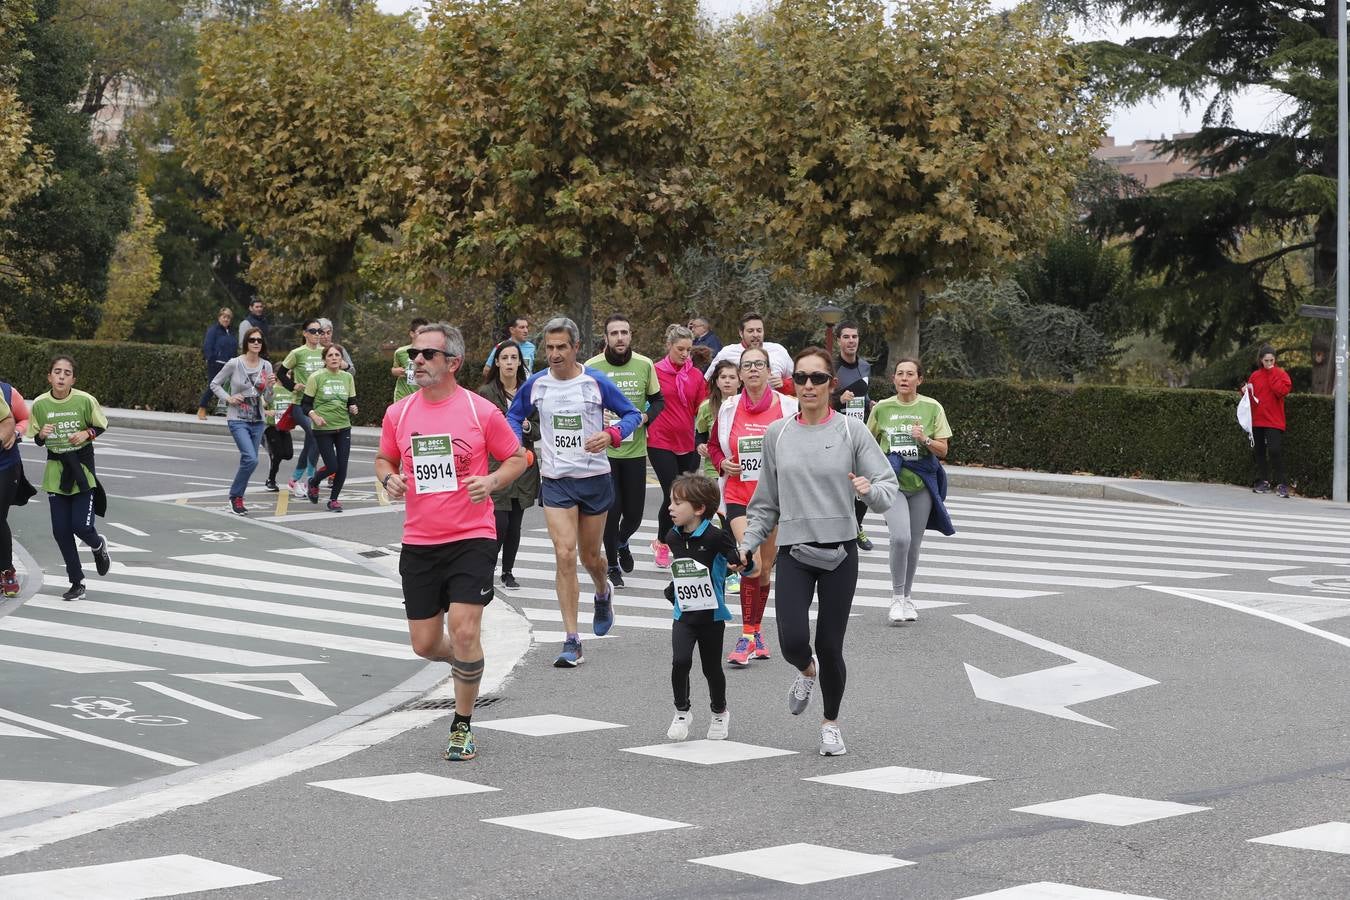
x,y
1269,385
670,436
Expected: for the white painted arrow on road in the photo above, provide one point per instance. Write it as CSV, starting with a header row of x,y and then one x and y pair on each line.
x,y
1052,691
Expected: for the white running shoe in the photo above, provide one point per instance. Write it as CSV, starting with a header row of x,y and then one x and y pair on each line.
x,y
679,726
299,489
908,610
718,727
896,614
831,741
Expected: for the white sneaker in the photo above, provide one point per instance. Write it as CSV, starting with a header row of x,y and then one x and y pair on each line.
x,y
907,609
896,614
717,728
831,741
299,489
679,726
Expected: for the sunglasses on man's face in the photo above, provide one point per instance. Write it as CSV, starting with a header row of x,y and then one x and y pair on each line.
x,y
427,353
816,378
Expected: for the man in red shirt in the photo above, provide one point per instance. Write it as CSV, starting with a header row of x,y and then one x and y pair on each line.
x,y
434,448
1269,386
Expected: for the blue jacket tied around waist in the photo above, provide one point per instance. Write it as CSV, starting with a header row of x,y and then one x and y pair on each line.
x,y
934,478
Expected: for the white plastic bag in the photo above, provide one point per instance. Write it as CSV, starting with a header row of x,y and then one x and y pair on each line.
x,y
1244,409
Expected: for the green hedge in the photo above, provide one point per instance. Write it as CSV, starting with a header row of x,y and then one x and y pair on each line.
x,y
1170,434
123,375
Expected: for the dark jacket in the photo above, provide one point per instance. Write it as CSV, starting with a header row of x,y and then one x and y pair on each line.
x,y
526,487
709,340
934,478
218,346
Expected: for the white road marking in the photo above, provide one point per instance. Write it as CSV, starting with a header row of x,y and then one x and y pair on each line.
x,y
76,664
1053,890
305,690
311,590
803,863
7,730
128,529
547,725
1259,613
709,753
404,786
136,879
1111,809
265,607
301,573
214,625
991,534
587,823
1329,837
63,731
149,644
317,553
195,701
897,779
346,514
22,796
105,449
1052,691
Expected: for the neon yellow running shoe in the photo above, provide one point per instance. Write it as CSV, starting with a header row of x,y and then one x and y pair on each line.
x,y
459,745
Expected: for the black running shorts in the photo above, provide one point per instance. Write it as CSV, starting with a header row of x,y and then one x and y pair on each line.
x,y
436,575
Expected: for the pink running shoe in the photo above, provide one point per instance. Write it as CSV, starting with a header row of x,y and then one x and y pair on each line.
x,y
760,651
740,656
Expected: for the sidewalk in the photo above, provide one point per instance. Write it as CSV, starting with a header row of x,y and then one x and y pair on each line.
x,y
1174,493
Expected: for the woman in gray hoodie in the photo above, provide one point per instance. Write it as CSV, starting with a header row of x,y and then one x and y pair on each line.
x,y
814,466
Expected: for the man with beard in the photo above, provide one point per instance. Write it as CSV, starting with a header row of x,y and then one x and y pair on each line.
x,y
635,377
752,335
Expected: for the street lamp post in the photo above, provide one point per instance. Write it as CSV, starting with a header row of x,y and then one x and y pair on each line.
x,y
831,315
1338,442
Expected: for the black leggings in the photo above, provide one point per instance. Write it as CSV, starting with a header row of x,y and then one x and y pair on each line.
x,y
509,519
9,487
72,517
1268,440
277,443
687,631
795,586
630,496
668,465
334,447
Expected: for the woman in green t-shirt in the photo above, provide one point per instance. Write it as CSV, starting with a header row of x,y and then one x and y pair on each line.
x,y
66,421
330,402
913,432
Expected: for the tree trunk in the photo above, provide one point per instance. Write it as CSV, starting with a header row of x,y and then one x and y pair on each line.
x,y
341,278
578,287
902,338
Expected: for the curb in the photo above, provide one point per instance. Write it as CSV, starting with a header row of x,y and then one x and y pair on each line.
x,y
31,584
1027,483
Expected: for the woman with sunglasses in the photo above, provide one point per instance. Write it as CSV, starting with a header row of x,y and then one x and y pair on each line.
x,y
913,433
245,384
505,376
330,402
736,448
815,464
295,369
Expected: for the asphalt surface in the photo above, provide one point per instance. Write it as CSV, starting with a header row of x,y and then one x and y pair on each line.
x,y
1065,649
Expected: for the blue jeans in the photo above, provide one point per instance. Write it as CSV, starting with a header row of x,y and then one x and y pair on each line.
x,y
309,452
247,437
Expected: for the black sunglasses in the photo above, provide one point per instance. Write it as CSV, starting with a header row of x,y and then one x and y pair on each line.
x,y
313,331
428,353
255,340
816,378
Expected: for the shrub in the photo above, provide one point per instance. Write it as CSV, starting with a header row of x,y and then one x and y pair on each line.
x,y
119,374
1170,434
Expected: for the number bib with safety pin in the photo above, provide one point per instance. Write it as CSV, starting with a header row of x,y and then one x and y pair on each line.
x,y
433,457
750,454
567,435
902,442
856,409
693,585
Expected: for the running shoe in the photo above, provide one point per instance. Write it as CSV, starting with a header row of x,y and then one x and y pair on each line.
x,y
297,489
625,558
570,657
312,492
603,620
1261,487
734,583
76,591
720,724
335,506
740,654
237,506
616,576
1282,490
679,726
831,741
799,695
509,581
662,553
908,609
271,485
9,583
864,542
760,650
896,614
459,745
102,561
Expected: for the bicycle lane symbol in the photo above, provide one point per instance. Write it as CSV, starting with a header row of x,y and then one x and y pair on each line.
x,y
214,537
116,709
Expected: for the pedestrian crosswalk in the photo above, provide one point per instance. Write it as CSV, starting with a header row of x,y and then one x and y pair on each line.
x,y
1011,547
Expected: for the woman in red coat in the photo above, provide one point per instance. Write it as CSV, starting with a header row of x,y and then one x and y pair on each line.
x,y
1269,386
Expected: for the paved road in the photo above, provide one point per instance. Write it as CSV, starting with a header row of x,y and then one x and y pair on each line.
x,y
1120,698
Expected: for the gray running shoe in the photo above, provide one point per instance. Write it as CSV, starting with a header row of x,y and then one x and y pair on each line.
x,y
799,695
831,741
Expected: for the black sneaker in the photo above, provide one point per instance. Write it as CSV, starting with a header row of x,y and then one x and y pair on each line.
x,y
272,486
625,560
1261,487
509,581
312,492
76,591
615,576
237,506
102,561
864,542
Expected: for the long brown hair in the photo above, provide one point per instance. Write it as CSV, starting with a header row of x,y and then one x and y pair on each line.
x,y
494,375
713,390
